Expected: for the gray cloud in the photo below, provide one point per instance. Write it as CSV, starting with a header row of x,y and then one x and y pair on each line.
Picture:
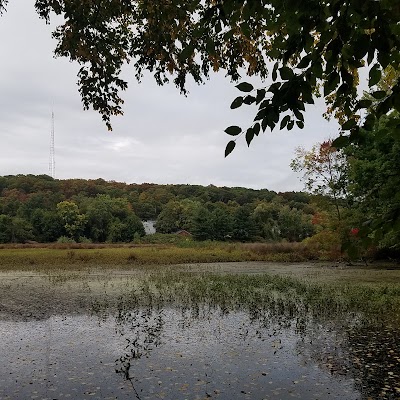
x,y
163,137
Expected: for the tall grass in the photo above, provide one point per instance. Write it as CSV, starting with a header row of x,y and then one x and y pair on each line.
x,y
123,256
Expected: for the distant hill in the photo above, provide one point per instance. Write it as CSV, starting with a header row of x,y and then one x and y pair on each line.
x,y
38,207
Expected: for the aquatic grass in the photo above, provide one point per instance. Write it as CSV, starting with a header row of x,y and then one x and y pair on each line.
x,y
281,296
172,275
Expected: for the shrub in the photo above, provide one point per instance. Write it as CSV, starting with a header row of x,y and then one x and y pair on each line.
x,y
324,245
65,239
84,239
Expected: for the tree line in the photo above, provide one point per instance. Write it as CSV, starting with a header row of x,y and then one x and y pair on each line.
x,y
40,208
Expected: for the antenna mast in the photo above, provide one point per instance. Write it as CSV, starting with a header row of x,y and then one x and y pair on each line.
x,y
52,162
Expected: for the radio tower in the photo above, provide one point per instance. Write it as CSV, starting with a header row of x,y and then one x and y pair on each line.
x,y
52,162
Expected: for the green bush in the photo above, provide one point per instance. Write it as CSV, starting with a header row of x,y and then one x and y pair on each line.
x,y
84,239
324,245
65,239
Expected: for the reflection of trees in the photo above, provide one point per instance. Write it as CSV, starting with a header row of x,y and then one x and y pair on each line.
x,y
142,330
330,329
344,346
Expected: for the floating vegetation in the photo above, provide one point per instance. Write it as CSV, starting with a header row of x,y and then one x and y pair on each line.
x,y
200,332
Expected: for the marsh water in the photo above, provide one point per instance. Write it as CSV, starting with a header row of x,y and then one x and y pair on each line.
x,y
196,333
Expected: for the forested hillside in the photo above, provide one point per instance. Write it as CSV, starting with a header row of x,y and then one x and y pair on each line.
x,y
43,209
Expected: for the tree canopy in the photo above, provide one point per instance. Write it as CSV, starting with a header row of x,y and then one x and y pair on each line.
x,y
44,209
299,49
374,182
324,170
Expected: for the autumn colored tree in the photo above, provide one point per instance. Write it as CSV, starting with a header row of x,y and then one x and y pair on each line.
x,y
44,209
324,171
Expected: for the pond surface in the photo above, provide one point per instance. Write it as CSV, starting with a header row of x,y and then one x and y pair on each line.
x,y
162,354
90,337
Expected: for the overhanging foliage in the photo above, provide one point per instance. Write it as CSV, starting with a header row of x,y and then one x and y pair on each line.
x,y
308,48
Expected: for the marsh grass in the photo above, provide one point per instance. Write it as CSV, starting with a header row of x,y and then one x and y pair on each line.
x,y
270,297
160,249
70,257
153,276
86,255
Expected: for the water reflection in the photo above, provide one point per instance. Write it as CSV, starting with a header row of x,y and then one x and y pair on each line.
x,y
215,354
208,337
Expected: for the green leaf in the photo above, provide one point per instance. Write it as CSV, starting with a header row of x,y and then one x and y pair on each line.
x,y
304,63
237,102
229,148
246,12
245,28
286,73
260,95
352,251
249,100
249,136
264,124
384,58
186,52
351,123
274,114
298,114
284,121
290,125
369,122
307,95
340,142
361,46
331,84
210,46
245,87
385,106
300,124
317,69
229,35
256,128
396,102
374,75
199,32
233,130
379,95
274,87
261,114
364,104
274,73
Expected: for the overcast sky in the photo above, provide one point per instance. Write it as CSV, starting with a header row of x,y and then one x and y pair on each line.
x,y
163,136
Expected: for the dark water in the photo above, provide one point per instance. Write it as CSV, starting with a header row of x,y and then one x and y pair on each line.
x,y
169,354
